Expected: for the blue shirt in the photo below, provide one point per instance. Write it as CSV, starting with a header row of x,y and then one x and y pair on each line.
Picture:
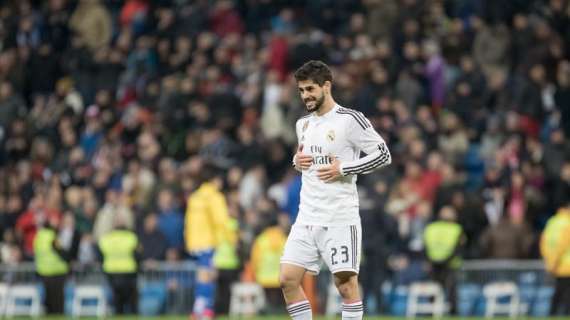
x,y
171,224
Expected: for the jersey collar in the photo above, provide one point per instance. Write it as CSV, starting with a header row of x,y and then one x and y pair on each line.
x,y
328,114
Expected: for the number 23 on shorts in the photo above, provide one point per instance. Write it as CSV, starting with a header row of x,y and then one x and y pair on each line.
x,y
339,253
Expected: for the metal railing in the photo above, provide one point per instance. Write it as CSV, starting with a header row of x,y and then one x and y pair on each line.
x,y
177,282
88,274
534,285
170,283
522,272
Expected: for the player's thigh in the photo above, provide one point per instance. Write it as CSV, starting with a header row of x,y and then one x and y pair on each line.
x,y
300,249
291,275
205,262
342,248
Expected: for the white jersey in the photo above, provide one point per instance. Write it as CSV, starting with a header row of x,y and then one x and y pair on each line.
x,y
342,133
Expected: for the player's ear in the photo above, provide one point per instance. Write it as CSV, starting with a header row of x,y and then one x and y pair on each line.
x,y
327,86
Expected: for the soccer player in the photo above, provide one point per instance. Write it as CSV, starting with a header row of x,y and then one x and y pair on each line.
x,y
330,140
206,226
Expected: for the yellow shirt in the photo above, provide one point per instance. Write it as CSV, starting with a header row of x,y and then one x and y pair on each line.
x,y
206,219
265,255
555,244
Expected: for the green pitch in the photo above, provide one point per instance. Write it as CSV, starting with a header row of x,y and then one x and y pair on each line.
x,y
274,318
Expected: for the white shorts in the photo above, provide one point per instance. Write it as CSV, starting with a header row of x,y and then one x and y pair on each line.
x,y
339,247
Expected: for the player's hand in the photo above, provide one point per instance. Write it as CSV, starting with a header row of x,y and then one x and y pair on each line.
x,y
331,172
303,161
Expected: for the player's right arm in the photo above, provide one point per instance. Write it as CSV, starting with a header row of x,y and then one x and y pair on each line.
x,y
301,161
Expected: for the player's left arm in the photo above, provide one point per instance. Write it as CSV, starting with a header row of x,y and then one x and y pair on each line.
x,y
220,217
363,137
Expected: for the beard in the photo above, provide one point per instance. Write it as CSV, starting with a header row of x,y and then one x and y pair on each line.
x,y
318,103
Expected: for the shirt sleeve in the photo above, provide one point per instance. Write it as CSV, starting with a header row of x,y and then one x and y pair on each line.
x,y
220,217
364,138
561,248
297,130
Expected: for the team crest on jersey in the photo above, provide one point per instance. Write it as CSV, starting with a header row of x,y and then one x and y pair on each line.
x,y
305,126
330,136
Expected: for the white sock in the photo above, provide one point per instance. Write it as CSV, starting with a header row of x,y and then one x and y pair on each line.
x,y
352,311
199,305
300,310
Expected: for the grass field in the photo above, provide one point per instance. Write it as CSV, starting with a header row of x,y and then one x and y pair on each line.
x,y
278,318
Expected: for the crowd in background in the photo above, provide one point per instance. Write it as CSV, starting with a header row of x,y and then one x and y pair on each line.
x,y
110,108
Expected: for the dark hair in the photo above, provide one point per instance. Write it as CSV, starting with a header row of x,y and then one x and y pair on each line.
x,y
314,70
208,172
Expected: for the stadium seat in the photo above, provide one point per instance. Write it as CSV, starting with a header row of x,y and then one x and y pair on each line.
x,y
527,279
468,294
24,300
246,299
501,298
89,300
68,298
527,295
152,298
399,301
386,292
541,305
425,298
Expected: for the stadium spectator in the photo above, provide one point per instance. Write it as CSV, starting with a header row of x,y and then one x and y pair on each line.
x,y
170,219
92,22
444,239
11,105
227,263
101,96
509,238
120,250
30,221
68,236
382,241
52,264
153,242
555,245
115,207
265,255
206,224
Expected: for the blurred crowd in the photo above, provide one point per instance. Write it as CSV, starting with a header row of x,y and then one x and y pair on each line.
x,y
110,108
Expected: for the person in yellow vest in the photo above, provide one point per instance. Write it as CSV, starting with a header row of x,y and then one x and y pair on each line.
x,y
555,248
52,266
120,252
265,262
205,229
227,264
443,240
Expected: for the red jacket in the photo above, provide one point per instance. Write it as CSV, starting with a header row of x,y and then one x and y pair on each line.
x,y
27,226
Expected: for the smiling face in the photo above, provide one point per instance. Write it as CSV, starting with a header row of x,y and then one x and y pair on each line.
x,y
312,94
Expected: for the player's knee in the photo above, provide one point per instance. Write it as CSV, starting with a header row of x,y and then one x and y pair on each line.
x,y
347,290
347,284
205,275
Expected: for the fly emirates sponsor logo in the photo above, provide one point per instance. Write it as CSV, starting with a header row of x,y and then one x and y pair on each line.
x,y
318,157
